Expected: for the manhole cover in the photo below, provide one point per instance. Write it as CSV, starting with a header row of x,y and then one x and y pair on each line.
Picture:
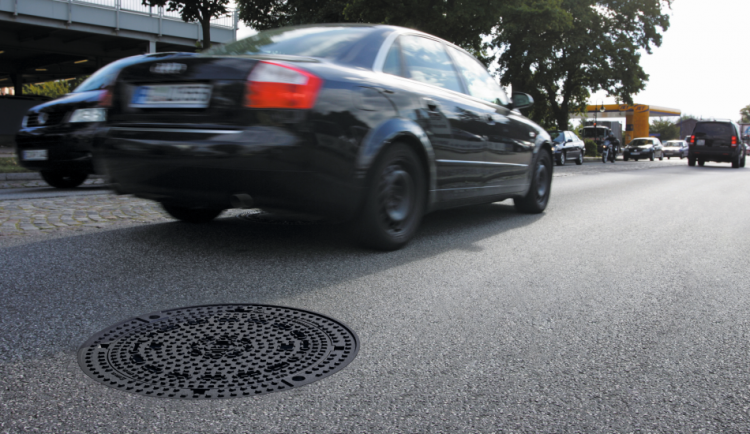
x,y
218,351
259,216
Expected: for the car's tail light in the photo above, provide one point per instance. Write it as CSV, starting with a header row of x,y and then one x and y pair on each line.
x,y
734,141
105,97
275,85
692,140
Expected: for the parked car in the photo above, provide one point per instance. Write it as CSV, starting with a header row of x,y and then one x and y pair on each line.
x,y
675,148
716,140
56,137
370,123
567,146
643,147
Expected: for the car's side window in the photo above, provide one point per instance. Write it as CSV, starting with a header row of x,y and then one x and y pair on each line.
x,y
480,83
427,61
392,64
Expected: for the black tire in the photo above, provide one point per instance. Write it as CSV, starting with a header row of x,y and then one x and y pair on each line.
x,y
636,159
563,158
669,158
579,160
394,200
64,180
604,157
736,162
691,161
537,198
701,163
651,157
191,215
742,162
662,157
625,158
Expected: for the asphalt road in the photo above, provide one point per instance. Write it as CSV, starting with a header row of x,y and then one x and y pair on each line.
x,y
623,308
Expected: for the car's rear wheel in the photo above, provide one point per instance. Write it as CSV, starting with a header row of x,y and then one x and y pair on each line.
x,y
701,163
691,161
625,158
742,162
537,198
579,160
64,180
394,200
191,215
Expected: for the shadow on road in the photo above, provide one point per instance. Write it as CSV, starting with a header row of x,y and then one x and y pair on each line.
x,y
58,292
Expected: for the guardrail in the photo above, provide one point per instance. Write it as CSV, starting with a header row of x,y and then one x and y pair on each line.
x,y
136,6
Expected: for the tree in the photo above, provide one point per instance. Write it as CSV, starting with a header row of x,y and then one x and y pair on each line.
x,y
560,51
53,89
202,11
666,129
269,14
745,113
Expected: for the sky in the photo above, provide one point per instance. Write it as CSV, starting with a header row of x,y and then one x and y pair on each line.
x,y
701,67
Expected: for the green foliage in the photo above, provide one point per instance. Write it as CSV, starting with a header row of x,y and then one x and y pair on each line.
x,y
195,10
745,115
560,51
10,165
666,129
591,149
269,14
53,89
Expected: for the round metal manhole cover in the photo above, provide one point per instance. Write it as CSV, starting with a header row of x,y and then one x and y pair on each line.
x,y
218,351
260,216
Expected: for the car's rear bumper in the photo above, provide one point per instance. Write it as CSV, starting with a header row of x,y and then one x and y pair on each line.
x,y
675,154
274,166
722,154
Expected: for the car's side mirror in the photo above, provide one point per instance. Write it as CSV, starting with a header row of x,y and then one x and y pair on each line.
x,y
522,100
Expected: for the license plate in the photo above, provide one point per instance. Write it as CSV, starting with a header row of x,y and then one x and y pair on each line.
x,y
701,142
172,96
634,153
35,155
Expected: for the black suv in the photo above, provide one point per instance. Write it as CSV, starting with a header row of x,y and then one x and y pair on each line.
x,y
716,140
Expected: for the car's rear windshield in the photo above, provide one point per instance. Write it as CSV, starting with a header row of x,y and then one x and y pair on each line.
x,y
328,42
672,143
713,129
106,75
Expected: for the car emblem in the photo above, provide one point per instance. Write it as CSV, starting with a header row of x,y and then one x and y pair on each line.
x,y
42,118
168,68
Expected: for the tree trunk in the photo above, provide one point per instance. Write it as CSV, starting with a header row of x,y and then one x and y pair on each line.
x,y
206,25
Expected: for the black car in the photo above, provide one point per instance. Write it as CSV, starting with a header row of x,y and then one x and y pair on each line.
x,y
56,137
716,140
370,123
567,146
644,147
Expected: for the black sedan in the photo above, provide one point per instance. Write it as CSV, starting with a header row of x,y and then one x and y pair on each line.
x,y
368,123
644,147
56,137
567,146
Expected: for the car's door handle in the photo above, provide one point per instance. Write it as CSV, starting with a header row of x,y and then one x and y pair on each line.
x,y
431,104
490,120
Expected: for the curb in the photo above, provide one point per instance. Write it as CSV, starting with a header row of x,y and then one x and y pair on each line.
x,y
30,176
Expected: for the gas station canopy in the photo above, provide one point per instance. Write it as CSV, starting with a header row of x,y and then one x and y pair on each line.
x,y
636,116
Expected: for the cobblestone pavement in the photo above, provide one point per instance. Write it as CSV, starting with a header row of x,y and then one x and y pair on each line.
x,y
75,213
41,183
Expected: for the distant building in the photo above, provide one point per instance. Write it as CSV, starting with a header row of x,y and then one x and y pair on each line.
x,y
686,127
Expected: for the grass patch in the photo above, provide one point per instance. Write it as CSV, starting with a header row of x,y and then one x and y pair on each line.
x,y
10,165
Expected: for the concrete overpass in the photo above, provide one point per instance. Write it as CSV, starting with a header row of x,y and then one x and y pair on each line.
x,y
42,40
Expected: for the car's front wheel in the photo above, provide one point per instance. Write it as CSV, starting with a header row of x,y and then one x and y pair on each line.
x,y
579,160
651,157
537,198
394,200
64,180
191,215
563,158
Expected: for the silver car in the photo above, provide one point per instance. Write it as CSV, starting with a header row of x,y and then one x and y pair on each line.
x,y
675,148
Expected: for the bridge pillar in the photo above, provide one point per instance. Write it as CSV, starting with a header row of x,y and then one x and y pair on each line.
x,y
17,80
152,46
